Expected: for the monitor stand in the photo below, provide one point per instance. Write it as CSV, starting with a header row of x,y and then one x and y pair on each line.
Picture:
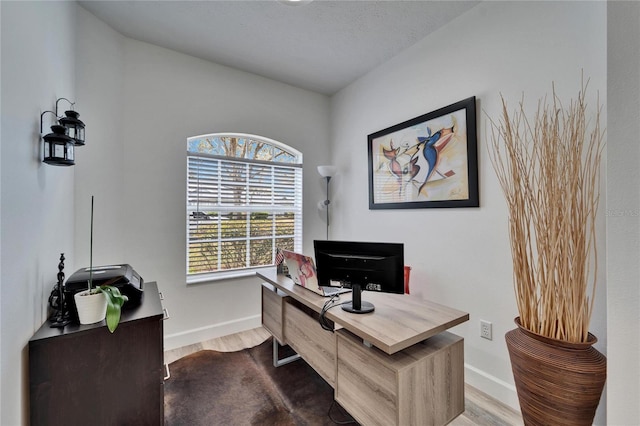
x,y
357,305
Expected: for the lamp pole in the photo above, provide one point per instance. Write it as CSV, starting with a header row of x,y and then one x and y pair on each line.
x,y
327,172
326,203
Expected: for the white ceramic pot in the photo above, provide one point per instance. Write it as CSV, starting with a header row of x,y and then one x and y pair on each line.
x,y
92,308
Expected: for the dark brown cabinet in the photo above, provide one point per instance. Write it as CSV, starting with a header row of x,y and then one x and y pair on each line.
x,y
84,375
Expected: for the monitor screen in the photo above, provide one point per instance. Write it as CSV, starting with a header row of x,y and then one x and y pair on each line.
x,y
371,265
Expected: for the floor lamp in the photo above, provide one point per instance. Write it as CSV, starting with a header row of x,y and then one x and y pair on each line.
x,y
327,172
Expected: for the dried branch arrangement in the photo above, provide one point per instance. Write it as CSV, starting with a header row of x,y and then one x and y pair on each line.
x,y
549,170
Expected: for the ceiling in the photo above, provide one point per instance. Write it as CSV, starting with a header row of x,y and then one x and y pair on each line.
x,y
320,45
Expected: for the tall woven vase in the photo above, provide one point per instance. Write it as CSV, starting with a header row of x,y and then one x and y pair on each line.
x,y
558,383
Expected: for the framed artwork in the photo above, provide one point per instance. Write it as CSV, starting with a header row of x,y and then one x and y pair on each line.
x,y
426,162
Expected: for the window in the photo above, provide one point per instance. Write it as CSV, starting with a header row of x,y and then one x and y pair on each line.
x,y
244,199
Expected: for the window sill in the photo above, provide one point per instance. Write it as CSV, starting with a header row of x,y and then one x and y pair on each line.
x,y
227,275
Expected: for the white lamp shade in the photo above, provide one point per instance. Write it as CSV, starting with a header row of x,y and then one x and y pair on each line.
x,y
327,171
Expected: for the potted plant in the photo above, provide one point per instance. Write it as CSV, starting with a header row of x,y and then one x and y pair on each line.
x,y
549,169
97,303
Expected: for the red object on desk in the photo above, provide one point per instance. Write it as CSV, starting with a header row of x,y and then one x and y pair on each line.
x,y
407,273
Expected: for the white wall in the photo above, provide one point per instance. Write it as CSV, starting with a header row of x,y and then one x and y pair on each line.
x,y
623,213
461,257
166,97
38,53
99,169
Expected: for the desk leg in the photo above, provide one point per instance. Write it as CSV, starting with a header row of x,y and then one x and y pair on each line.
x,y
280,362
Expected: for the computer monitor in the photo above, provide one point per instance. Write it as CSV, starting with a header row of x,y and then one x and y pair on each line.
x,y
360,266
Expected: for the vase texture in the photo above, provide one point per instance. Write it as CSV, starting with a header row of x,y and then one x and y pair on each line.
x,y
91,308
558,383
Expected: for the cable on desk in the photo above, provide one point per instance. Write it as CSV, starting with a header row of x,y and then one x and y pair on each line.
x,y
324,322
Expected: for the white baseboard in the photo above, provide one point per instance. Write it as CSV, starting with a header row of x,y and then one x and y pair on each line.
x,y
492,386
197,335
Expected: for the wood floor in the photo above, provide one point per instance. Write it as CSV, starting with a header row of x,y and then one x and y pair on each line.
x,y
480,409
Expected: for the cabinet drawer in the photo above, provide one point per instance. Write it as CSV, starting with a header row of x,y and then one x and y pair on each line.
x,y
272,311
366,385
74,370
314,344
421,385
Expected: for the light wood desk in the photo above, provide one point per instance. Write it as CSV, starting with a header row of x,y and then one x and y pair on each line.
x,y
395,366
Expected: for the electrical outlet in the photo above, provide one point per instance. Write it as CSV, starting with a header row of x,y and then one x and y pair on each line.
x,y
485,330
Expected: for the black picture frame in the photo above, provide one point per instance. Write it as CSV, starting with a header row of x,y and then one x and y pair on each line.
x,y
430,161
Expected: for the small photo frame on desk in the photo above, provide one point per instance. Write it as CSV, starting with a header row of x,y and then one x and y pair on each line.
x,y
427,162
281,266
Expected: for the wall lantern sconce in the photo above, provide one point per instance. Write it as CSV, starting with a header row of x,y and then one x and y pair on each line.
x,y
327,172
58,147
66,134
75,127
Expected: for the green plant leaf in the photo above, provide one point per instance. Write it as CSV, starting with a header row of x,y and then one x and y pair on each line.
x,y
115,300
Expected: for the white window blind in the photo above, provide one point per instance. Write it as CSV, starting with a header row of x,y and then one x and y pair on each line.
x,y
239,210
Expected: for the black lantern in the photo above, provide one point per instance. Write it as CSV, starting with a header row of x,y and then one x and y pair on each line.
x,y
58,147
75,127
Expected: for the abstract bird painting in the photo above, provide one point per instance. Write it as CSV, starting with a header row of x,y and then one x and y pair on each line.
x,y
423,160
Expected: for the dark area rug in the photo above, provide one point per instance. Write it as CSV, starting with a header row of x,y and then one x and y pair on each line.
x,y
244,388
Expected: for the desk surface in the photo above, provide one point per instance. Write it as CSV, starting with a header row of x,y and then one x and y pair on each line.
x,y
399,320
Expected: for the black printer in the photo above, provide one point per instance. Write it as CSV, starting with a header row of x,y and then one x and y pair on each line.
x,y
123,277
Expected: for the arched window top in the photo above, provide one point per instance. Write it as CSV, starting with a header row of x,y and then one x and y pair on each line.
x,y
243,146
